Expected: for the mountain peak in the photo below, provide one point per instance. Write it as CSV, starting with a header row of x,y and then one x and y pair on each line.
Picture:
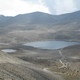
x,y
35,13
38,12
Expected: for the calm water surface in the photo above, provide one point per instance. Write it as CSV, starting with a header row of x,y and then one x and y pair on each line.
x,y
51,44
8,50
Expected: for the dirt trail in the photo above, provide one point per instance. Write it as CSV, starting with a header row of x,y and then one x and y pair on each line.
x,y
58,77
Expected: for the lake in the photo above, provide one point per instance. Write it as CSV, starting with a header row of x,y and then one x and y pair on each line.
x,y
51,44
8,50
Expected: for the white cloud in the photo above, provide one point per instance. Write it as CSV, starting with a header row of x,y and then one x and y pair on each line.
x,y
14,7
63,6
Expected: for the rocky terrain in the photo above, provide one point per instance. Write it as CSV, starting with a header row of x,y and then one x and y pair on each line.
x,y
29,63
12,68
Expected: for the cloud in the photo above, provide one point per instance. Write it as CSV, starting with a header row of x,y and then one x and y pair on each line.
x,y
77,3
51,4
60,6
33,1
14,7
63,6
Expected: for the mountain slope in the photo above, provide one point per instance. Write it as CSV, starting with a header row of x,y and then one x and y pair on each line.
x,y
31,18
40,26
12,68
43,18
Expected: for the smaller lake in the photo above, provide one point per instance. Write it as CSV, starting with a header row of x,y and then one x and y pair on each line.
x,y
51,44
8,50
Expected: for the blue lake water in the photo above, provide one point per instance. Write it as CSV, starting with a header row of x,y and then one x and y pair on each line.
x,y
51,44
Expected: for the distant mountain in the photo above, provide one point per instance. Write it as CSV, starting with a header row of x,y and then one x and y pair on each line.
x,y
31,18
39,26
41,19
70,17
4,19
35,18
1,17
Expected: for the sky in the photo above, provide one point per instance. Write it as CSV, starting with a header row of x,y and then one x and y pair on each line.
x,y
55,7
